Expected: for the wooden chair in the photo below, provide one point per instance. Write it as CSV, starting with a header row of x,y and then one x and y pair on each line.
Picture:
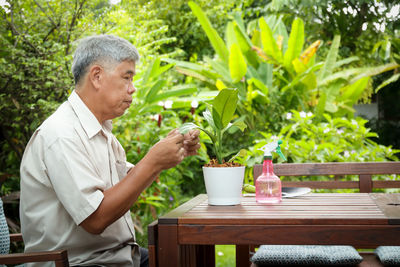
x,y
59,257
365,184
364,170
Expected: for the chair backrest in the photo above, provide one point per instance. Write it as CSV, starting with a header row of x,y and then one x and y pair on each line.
x,y
4,233
364,170
59,257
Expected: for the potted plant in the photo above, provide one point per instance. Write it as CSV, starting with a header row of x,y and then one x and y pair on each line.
x,y
223,179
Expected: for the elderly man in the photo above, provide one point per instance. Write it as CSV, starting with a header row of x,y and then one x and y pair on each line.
x,y
76,186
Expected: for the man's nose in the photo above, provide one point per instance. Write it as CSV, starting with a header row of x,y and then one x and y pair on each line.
x,y
131,88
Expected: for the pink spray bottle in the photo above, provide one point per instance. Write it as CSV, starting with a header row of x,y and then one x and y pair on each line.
x,y
268,185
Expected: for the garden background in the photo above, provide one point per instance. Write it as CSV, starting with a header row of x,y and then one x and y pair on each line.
x,y
304,71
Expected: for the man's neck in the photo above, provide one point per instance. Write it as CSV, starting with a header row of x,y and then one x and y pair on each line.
x,y
90,101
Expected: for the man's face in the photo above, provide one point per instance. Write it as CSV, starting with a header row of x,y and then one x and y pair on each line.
x,y
117,89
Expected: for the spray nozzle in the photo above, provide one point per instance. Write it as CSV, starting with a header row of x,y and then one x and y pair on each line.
x,y
273,147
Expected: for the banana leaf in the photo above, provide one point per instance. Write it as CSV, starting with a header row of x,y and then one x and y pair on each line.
x,y
215,40
237,64
330,61
295,44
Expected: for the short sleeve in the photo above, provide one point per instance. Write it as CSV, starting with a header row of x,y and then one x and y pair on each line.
x,y
74,179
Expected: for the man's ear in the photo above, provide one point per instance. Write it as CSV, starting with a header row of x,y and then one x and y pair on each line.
x,y
95,76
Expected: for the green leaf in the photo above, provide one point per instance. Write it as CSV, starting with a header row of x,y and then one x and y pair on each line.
x,y
346,61
208,117
295,44
230,37
239,123
392,79
154,90
270,46
151,70
300,77
260,85
375,71
344,75
224,106
241,153
330,62
184,64
352,92
216,41
220,67
246,46
321,104
189,90
186,127
310,80
237,64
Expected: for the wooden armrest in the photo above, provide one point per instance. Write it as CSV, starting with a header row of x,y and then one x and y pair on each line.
x,y
16,237
60,257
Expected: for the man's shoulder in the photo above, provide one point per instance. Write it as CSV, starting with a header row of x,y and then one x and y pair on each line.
x,y
61,124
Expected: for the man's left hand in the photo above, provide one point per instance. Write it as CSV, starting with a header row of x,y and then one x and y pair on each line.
x,y
191,142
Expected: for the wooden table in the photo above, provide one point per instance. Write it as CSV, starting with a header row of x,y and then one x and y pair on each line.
x,y
187,235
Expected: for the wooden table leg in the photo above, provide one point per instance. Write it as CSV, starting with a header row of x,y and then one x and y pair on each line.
x,y
242,256
168,249
206,255
152,235
197,255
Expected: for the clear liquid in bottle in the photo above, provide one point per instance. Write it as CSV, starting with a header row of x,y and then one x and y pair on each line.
x,y
268,185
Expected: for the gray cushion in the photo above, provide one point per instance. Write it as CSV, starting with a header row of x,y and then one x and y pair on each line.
x,y
389,255
283,255
4,234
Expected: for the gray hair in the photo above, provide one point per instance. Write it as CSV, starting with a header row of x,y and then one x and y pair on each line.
x,y
101,49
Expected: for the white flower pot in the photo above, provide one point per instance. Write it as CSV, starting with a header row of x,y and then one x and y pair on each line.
x,y
224,184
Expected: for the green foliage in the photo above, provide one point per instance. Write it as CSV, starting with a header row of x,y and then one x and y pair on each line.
x,y
223,110
280,73
35,44
307,139
369,29
358,22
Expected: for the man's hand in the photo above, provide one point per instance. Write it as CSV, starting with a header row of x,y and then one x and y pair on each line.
x,y
168,152
191,142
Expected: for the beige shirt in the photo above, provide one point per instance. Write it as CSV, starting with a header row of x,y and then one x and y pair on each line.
x,y
69,161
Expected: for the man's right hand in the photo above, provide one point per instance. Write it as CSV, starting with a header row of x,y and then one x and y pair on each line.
x,y
168,152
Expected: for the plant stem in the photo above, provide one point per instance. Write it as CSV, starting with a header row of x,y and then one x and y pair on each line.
x,y
218,147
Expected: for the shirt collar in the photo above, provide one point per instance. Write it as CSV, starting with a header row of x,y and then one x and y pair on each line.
x,y
87,119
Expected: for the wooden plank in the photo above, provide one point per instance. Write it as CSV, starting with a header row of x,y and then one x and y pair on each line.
x,y
188,255
360,236
16,237
390,206
152,255
243,256
335,209
60,257
152,231
205,256
168,249
334,168
365,183
386,184
322,184
172,216
197,255
365,170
